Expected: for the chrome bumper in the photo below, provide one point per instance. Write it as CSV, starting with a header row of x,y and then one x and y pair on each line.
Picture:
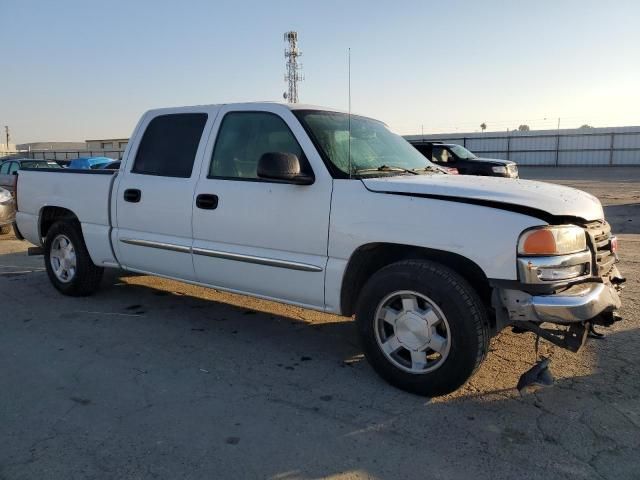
x,y
7,213
577,304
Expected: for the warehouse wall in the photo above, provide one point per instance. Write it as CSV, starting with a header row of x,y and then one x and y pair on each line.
x,y
567,147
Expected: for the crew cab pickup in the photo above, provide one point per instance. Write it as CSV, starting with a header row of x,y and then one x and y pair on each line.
x,y
333,212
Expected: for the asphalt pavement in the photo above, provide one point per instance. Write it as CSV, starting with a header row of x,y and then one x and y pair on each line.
x,y
151,378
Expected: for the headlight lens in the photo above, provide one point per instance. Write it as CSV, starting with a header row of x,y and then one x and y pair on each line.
x,y
499,169
5,196
559,240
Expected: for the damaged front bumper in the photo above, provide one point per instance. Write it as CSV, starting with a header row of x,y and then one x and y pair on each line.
x,y
577,308
578,303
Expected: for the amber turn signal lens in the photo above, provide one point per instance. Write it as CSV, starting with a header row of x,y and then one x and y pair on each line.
x,y
552,240
541,242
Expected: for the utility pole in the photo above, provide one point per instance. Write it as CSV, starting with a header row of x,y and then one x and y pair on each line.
x,y
294,69
558,143
6,134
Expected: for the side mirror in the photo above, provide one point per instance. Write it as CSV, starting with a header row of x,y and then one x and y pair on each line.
x,y
284,167
15,172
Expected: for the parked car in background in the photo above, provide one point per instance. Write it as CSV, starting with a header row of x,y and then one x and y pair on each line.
x,y
453,156
7,211
92,163
9,168
112,166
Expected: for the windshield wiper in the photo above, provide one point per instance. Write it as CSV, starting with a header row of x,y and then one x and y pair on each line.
x,y
386,168
428,168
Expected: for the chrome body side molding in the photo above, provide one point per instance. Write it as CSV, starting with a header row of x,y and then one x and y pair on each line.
x,y
271,262
160,245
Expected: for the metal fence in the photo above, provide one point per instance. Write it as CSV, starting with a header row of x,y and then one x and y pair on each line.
x,y
617,146
65,156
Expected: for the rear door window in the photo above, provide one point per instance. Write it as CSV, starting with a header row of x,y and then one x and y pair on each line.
x,y
4,168
169,145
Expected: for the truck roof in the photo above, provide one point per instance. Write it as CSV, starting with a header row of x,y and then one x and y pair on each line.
x,y
289,106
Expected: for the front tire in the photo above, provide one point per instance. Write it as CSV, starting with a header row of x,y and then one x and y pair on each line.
x,y
5,229
69,266
424,329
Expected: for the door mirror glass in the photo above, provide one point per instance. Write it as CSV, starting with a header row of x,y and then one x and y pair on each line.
x,y
282,166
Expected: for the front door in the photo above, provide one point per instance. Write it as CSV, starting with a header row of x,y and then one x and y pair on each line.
x,y
253,235
155,196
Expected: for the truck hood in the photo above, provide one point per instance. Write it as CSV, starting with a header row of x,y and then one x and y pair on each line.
x,y
494,161
537,199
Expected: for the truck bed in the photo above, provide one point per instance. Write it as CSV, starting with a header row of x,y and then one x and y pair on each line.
x,y
86,193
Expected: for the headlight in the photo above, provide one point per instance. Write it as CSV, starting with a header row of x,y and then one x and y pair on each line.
x,y
499,169
5,196
559,240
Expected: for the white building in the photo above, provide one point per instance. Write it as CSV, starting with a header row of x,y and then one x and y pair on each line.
x,y
107,144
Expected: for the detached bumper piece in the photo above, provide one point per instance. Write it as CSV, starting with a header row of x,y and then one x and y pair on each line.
x,y
538,375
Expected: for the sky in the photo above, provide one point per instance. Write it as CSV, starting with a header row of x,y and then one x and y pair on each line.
x,y
75,70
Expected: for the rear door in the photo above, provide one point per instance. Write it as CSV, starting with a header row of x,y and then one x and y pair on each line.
x,y
256,236
155,193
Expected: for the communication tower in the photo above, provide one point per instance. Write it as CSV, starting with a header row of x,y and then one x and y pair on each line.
x,y
293,74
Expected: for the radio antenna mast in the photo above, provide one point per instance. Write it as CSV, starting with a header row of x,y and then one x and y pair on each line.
x,y
294,69
349,114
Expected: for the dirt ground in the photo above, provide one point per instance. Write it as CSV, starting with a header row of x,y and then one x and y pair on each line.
x,y
151,378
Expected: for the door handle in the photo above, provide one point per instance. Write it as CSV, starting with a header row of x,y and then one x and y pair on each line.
x,y
207,201
132,195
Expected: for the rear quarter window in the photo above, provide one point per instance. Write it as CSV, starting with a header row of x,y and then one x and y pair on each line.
x,y
169,145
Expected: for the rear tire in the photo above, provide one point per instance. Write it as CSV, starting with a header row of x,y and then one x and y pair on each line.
x,y
69,266
424,329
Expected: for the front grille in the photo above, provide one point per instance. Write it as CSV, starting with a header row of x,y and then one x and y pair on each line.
x,y
600,238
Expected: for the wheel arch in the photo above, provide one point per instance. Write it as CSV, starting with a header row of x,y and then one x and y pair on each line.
x,y
50,215
369,258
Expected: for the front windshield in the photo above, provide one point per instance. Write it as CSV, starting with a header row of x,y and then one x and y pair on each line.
x,y
374,148
462,152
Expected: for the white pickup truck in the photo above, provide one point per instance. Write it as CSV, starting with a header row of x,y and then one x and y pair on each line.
x,y
333,212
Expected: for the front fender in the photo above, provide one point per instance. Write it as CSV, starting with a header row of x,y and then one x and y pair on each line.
x,y
486,236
